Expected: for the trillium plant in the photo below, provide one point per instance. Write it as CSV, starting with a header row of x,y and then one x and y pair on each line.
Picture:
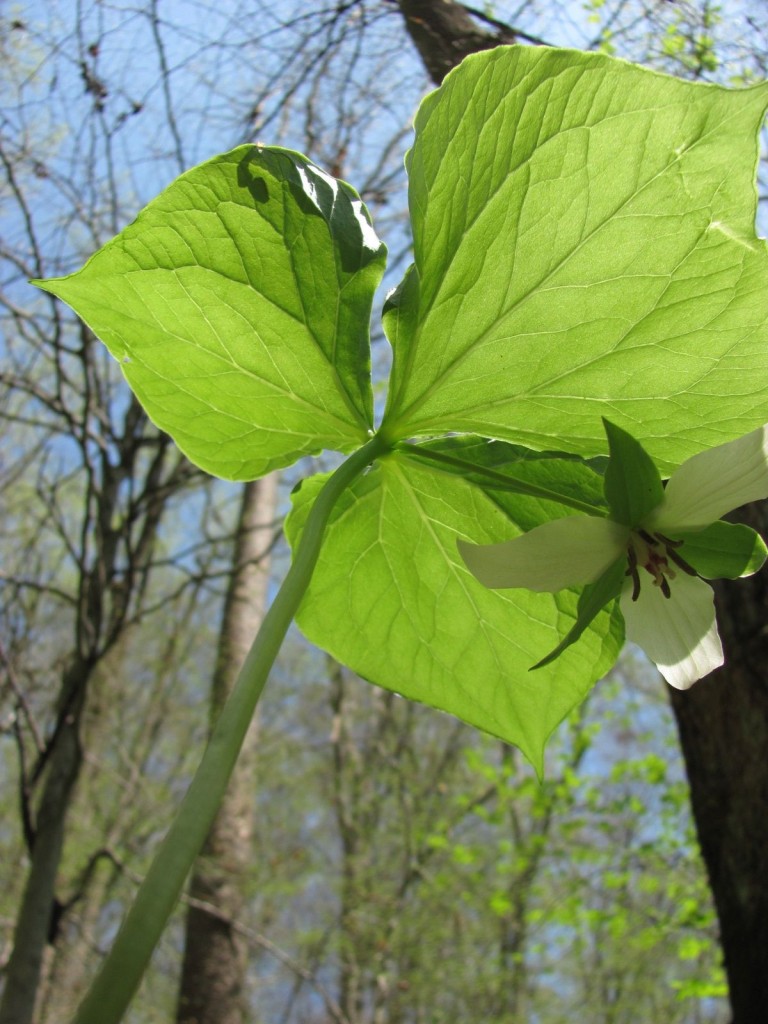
x,y
584,253
653,550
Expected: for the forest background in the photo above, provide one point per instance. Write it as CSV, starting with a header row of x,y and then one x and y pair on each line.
x,y
376,861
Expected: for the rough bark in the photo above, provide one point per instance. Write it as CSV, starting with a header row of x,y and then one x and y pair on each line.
x,y
68,964
346,804
723,726
71,960
213,971
444,33
722,720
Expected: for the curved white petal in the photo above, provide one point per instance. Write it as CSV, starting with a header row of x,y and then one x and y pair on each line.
x,y
561,553
715,482
678,633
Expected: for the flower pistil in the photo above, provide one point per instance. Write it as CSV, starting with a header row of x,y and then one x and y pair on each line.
x,y
654,552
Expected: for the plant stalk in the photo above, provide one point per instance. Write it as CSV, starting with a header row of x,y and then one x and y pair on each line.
x,y
121,972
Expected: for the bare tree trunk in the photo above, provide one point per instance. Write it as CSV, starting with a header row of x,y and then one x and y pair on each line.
x,y
723,726
36,920
65,980
69,964
444,34
722,720
347,796
213,972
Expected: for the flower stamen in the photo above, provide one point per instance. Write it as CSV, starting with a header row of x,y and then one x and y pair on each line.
x,y
654,552
632,571
680,562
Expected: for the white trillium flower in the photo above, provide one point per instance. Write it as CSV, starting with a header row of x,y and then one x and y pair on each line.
x,y
668,608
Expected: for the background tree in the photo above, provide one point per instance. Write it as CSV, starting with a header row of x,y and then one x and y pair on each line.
x,y
84,91
215,960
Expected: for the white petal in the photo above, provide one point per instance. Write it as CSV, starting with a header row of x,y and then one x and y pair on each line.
x,y
678,633
561,553
715,482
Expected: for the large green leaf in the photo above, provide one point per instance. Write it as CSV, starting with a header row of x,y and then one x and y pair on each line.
x,y
584,246
238,304
391,598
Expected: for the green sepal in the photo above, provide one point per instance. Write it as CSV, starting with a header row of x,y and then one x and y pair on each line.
x,y
633,485
723,550
594,598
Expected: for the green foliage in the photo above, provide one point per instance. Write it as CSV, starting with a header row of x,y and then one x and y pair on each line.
x,y
237,304
690,41
405,612
425,844
250,345
584,246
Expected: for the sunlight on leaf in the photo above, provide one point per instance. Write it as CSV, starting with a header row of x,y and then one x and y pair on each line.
x,y
391,598
584,246
238,305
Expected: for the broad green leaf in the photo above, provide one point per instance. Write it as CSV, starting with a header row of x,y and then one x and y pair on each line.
x,y
584,246
633,485
391,598
723,550
238,305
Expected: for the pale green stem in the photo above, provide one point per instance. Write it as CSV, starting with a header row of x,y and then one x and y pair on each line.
x,y
119,977
495,481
